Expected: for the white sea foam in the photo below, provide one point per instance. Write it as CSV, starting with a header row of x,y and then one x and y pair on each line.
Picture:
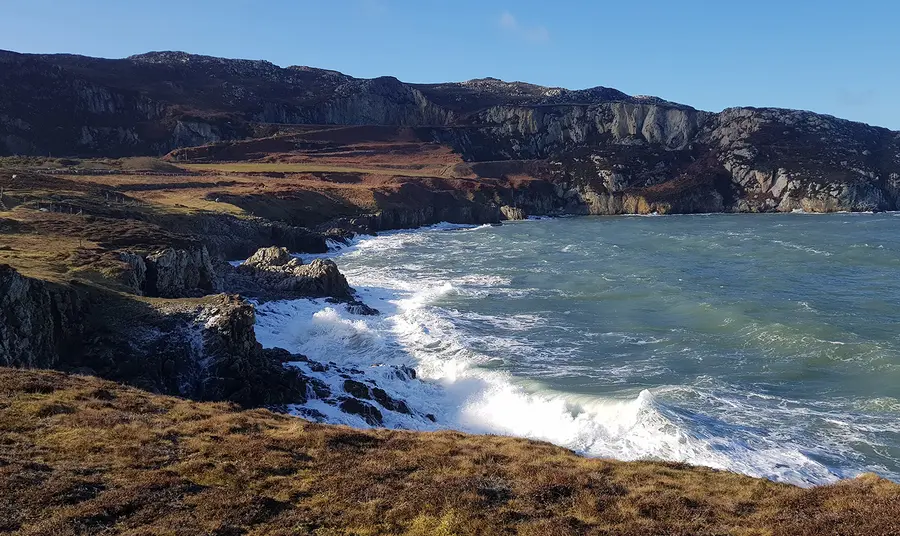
x,y
459,386
807,249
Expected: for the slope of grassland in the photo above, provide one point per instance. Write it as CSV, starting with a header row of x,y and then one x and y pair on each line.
x,y
80,455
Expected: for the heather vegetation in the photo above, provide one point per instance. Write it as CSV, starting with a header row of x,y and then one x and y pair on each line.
x,y
84,456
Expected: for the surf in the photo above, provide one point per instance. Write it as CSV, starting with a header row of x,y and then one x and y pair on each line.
x,y
483,371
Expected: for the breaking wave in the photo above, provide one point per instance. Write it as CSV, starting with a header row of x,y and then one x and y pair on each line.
x,y
462,382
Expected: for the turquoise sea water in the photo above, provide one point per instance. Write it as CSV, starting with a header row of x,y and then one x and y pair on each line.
x,y
764,344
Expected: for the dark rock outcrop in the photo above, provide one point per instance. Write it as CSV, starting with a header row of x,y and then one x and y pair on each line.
x,y
223,361
273,272
608,152
204,351
176,273
368,412
361,390
41,323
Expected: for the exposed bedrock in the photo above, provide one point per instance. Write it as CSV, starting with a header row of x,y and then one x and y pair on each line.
x,y
170,273
273,273
539,132
175,273
204,350
207,352
40,322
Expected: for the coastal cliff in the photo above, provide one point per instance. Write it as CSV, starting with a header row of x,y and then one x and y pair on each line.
x,y
202,348
615,153
116,267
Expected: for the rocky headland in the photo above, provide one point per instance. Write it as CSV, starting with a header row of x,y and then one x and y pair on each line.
x,y
114,263
597,151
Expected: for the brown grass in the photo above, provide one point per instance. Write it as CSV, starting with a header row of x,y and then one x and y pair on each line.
x,y
297,167
84,456
148,164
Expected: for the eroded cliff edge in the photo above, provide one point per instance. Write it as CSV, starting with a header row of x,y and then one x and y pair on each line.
x,y
259,156
610,152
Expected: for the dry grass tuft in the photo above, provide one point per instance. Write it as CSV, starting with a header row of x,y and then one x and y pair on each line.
x,y
84,456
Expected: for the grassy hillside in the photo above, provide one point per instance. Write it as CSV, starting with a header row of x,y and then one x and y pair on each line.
x,y
80,455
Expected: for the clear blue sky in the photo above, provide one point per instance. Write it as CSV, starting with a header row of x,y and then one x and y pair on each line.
x,y
831,56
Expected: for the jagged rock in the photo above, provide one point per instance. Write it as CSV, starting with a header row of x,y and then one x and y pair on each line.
x,y
135,275
389,403
361,390
175,273
272,272
204,350
367,411
357,307
357,389
210,352
40,322
513,213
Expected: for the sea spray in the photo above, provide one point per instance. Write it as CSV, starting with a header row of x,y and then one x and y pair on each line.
x,y
488,338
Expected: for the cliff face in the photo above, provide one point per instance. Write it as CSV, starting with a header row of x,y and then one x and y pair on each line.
x,y
613,152
153,103
786,159
40,322
204,350
540,132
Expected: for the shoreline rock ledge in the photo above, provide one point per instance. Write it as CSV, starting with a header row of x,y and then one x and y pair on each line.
x,y
272,273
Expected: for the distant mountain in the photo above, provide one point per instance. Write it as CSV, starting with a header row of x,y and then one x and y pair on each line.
x,y
155,102
604,141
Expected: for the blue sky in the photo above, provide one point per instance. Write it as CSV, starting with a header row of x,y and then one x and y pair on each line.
x,y
830,56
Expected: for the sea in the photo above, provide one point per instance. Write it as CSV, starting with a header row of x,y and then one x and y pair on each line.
x,y
767,345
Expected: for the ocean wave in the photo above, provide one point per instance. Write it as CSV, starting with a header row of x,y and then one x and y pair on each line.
x,y
799,247
498,349
458,386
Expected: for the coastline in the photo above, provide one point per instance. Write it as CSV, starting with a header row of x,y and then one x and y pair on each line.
x,y
591,376
324,322
84,455
532,484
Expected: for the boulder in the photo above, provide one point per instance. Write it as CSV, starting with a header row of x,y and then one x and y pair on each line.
x,y
273,273
268,258
367,411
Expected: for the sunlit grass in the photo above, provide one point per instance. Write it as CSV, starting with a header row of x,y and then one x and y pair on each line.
x,y
291,167
85,456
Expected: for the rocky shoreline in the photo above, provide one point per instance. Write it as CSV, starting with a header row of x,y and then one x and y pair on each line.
x,y
593,151
177,320
171,317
